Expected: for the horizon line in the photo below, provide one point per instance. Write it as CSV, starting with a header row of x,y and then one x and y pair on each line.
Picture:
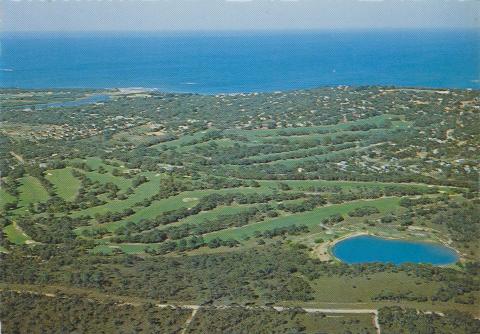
x,y
440,28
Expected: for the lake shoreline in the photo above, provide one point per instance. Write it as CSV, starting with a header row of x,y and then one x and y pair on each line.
x,y
325,251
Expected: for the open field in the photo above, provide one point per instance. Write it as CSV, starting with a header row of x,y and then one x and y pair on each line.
x,y
6,197
31,191
65,183
15,235
310,219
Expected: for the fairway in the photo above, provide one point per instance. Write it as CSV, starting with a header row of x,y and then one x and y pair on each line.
x,y
309,219
64,182
144,191
15,235
121,182
183,200
31,191
6,197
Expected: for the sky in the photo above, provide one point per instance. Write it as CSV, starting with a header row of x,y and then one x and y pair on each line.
x,y
174,15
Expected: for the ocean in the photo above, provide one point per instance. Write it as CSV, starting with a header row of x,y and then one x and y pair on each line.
x,y
226,62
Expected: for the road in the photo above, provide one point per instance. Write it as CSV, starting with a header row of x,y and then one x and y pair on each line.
x,y
195,309
21,288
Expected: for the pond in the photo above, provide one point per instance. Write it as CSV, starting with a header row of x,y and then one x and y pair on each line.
x,y
365,248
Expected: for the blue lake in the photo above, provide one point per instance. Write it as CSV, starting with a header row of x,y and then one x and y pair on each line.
x,y
364,249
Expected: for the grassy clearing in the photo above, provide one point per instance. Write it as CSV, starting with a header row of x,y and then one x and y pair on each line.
x,y
282,156
181,141
260,135
223,143
292,139
95,163
103,249
359,289
186,199
311,218
126,248
214,214
121,182
317,158
349,185
6,197
191,198
142,192
357,292
31,191
254,134
15,235
65,183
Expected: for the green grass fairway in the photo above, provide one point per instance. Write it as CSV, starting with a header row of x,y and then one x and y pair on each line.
x,y
255,134
15,235
213,214
310,218
31,191
5,197
145,190
185,199
353,185
121,182
65,183
184,140
126,248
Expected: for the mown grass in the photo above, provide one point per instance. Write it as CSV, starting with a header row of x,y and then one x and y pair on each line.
x,y
14,235
311,218
121,182
108,248
65,183
254,134
293,162
181,141
190,198
349,185
140,193
184,200
214,214
5,197
31,191
223,143
260,135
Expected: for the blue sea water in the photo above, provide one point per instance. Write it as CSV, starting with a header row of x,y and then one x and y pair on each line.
x,y
365,249
241,61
